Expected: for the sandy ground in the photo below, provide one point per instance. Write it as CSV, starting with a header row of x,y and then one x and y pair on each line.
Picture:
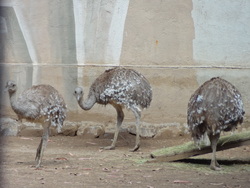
x,y
79,162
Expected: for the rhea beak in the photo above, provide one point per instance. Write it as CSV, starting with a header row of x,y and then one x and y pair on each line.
x,y
78,97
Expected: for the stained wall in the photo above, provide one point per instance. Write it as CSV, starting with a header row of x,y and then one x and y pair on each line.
x,y
177,45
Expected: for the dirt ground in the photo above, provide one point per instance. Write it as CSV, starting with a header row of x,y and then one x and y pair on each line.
x,y
79,162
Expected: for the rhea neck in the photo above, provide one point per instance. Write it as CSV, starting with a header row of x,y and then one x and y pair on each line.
x,y
88,103
12,95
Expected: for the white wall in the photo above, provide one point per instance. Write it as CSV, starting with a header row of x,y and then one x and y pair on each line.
x,y
177,45
222,32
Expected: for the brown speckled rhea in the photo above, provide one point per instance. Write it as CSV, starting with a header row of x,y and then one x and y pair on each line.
x,y
119,87
215,106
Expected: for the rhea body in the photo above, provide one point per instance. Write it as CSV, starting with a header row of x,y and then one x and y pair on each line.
x,y
121,88
40,103
214,107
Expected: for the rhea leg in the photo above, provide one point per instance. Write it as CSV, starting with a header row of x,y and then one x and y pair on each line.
x,y
120,117
137,114
214,139
42,145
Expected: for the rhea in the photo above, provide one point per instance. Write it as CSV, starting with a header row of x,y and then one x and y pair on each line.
x,y
41,103
121,88
214,107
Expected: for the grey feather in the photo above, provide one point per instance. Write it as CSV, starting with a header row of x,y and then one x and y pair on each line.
x,y
39,103
119,87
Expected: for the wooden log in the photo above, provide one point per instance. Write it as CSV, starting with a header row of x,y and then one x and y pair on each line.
x,y
189,149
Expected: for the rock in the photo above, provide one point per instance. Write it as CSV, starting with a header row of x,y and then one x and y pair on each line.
x,y
31,129
145,131
70,128
9,127
165,130
168,132
81,129
90,130
164,133
34,129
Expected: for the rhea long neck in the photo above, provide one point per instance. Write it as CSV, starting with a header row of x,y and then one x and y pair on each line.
x,y
88,103
13,101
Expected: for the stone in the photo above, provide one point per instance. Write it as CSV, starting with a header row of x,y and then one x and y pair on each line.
x,y
90,130
69,128
9,127
168,132
35,129
28,129
145,131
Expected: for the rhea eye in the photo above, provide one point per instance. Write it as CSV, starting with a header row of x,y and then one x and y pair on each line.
x,y
75,92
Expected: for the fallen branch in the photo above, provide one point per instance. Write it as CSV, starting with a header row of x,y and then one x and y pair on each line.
x,y
189,149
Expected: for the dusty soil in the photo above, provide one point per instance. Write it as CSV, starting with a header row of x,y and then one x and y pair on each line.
x,y
78,162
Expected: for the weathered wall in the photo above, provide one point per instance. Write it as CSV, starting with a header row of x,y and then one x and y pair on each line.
x,y
177,45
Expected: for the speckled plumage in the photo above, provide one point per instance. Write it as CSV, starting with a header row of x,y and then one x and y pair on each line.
x,y
123,86
40,103
119,87
214,107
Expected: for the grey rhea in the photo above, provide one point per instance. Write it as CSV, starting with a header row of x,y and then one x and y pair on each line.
x,y
40,103
214,107
119,87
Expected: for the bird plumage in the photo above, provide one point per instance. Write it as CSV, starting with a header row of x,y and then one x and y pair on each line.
x,y
119,87
40,103
214,107
124,86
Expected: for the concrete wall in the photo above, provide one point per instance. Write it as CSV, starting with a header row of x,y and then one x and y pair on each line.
x,y
177,45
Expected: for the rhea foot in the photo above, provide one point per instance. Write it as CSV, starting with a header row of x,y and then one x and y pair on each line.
x,y
215,166
135,148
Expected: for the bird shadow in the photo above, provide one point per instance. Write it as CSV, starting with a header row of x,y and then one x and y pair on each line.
x,y
220,161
